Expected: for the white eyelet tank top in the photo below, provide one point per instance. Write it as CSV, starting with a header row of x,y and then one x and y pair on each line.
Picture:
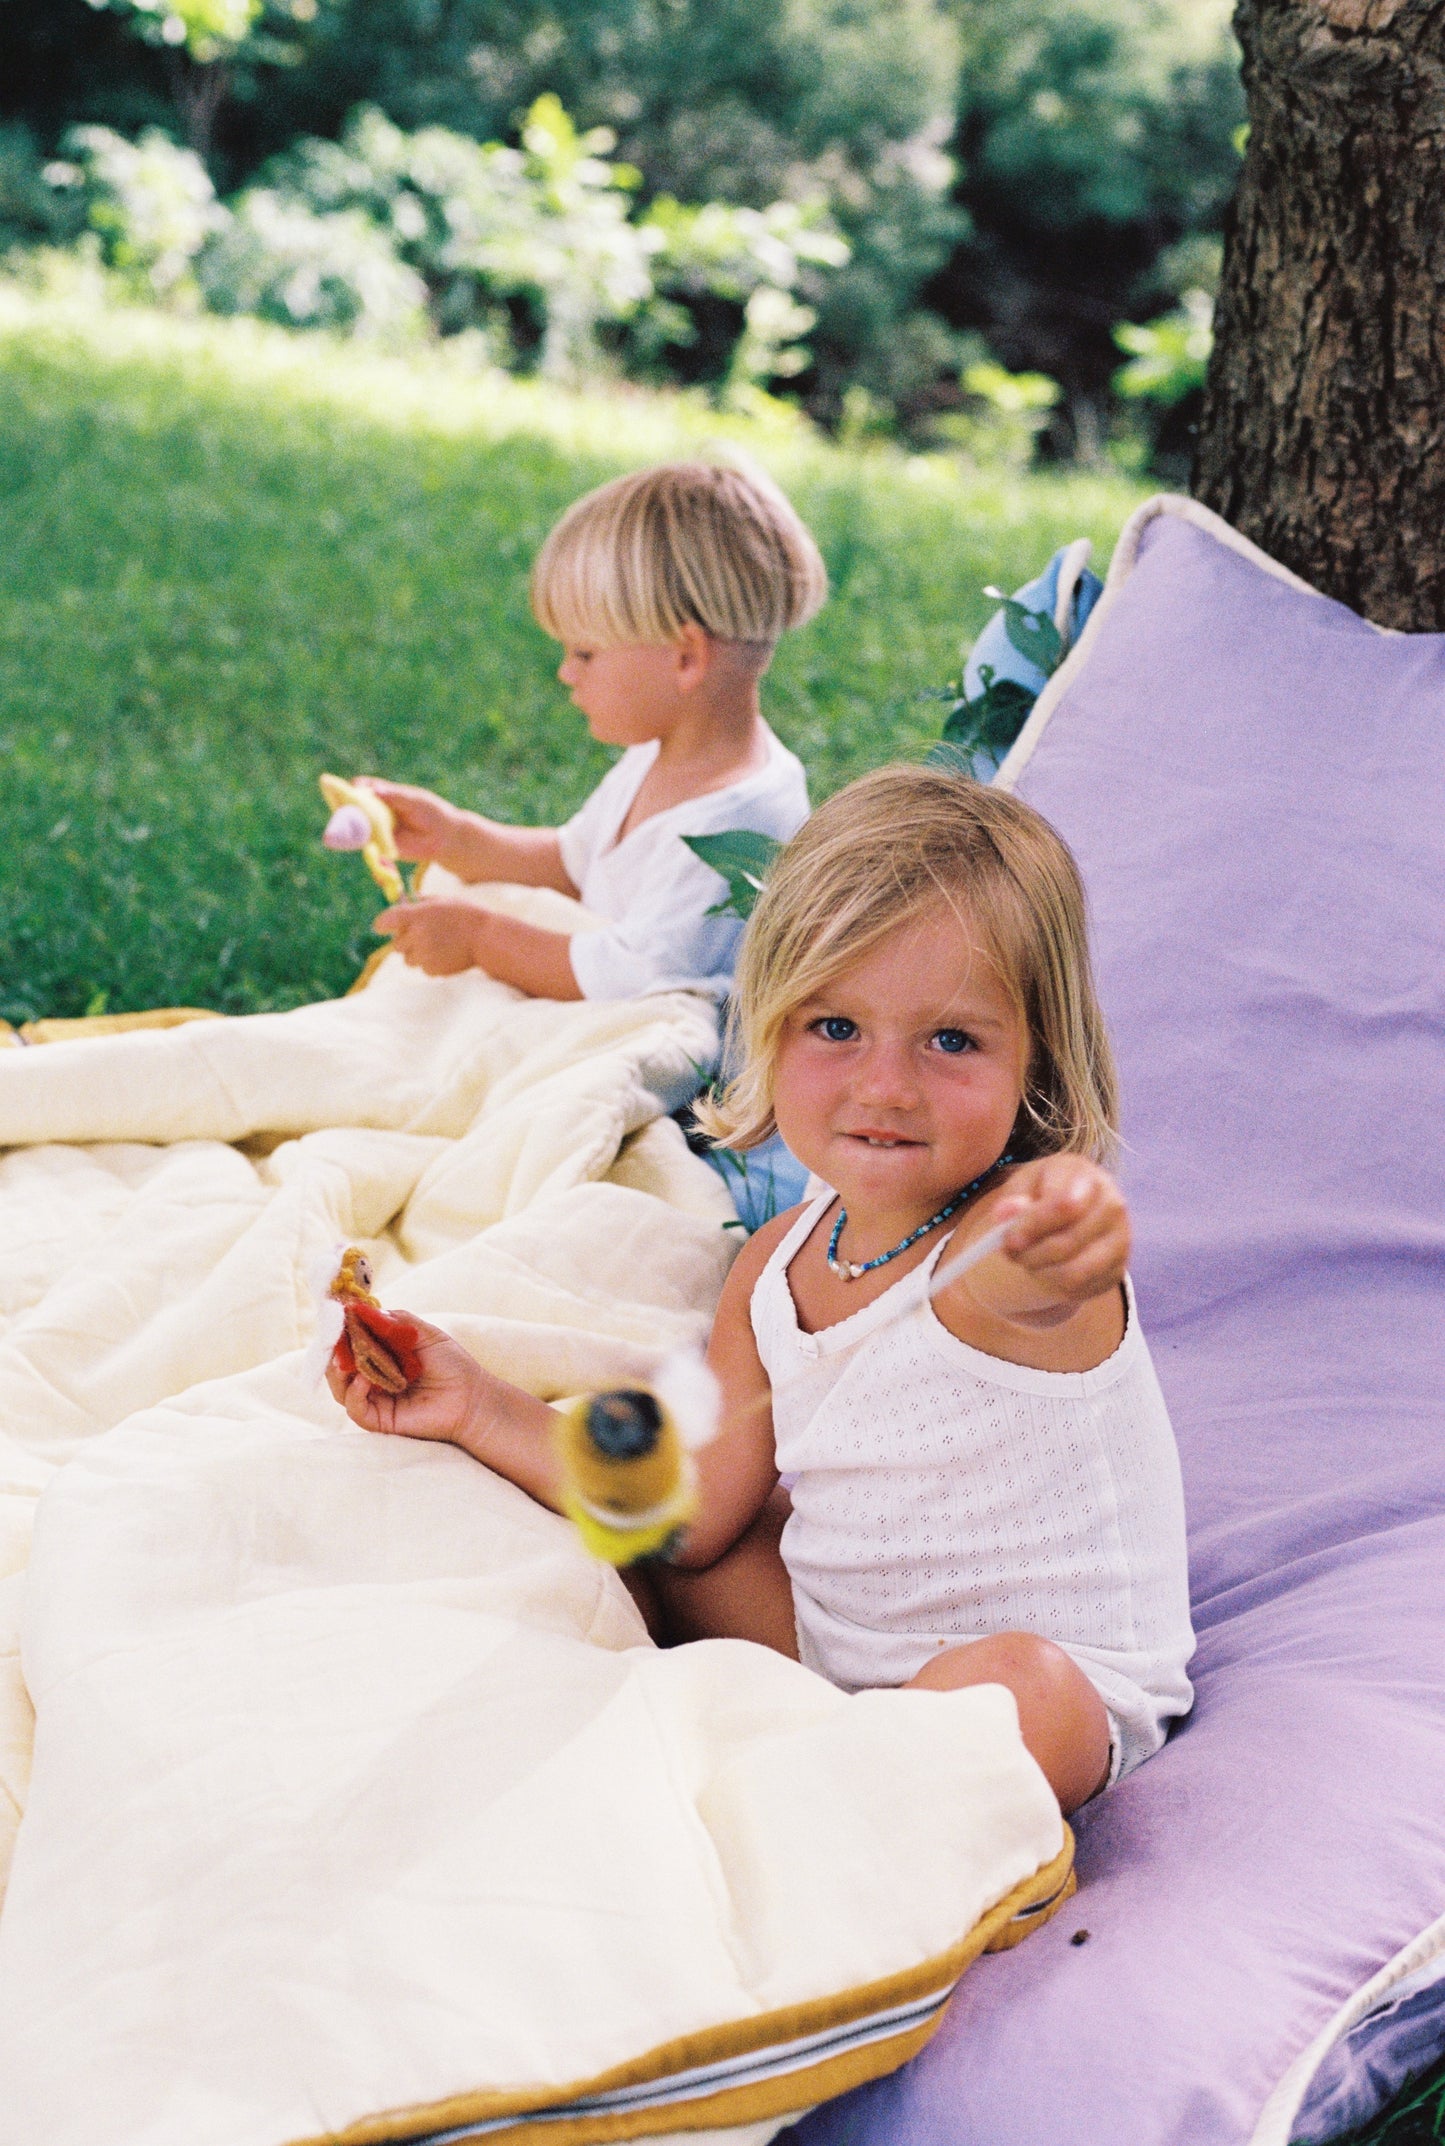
x,y
941,1495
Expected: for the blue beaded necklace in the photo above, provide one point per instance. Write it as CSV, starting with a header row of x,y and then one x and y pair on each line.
x,y
848,1270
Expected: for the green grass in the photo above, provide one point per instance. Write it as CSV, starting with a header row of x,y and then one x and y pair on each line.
x,y
232,557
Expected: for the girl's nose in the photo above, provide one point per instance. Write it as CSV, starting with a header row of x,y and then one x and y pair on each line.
x,y
885,1078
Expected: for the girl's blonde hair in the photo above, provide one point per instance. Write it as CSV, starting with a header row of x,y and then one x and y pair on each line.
x,y
878,855
699,542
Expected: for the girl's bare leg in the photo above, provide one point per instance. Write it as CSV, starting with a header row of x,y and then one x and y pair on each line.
x,y
1061,1716
745,1595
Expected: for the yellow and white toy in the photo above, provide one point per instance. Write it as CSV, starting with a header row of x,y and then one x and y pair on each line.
x,y
629,1482
359,820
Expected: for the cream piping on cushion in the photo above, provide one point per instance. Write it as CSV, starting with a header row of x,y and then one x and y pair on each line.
x,y
1121,566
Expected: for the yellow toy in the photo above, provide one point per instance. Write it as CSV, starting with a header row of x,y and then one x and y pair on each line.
x,y
629,1483
359,820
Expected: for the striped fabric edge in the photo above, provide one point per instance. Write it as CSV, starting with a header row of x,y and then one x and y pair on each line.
x,y
773,2064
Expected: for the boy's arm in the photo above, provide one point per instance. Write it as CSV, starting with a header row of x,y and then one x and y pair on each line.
x,y
444,937
475,849
738,1469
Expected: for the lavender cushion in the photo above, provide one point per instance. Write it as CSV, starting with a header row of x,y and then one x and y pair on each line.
x,y
1253,781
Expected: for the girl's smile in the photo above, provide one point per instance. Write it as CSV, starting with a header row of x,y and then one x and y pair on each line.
x,y
902,1080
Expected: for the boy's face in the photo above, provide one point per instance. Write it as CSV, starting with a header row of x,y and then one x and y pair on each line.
x,y
633,692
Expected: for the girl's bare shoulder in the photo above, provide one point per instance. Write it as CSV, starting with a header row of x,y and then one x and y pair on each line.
x,y
758,1250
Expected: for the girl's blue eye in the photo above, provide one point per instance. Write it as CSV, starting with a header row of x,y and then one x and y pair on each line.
x,y
953,1040
838,1028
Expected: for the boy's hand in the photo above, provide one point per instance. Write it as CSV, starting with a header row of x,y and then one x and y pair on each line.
x,y
1070,1227
441,1404
439,936
427,827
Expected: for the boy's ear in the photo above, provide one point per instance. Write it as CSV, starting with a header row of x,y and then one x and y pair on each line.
x,y
696,653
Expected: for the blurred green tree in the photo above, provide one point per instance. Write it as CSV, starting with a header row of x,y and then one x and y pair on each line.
x,y
744,101
203,40
1092,136
1027,196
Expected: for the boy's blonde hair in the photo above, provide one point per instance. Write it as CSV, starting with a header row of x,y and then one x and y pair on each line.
x,y
640,558
881,853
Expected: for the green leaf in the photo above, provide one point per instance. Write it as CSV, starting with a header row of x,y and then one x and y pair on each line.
x,y
744,858
1033,634
993,718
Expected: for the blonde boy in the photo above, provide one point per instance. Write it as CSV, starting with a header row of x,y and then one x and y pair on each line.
x,y
668,591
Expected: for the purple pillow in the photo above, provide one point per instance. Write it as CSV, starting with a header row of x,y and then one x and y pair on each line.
x,y
1253,781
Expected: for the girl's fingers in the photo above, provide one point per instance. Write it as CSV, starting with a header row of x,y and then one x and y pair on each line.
x,y
1070,1227
1055,1231
1050,1215
1052,1256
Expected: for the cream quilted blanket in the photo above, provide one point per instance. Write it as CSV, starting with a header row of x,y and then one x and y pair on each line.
x,y
361,1806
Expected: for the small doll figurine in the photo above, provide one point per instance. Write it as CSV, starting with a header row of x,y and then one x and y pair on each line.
x,y
359,820
352,1327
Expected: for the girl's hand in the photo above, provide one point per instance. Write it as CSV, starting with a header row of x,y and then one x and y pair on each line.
x,y
427,827
1070,1231
443,1403
442,937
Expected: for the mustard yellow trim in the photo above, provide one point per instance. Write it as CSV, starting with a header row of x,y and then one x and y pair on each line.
x,y
8,1035
750,2104
1025,1923
114,1024
1050,1885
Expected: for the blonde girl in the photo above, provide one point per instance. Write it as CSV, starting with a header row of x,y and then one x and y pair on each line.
x,y
984,1489
668,591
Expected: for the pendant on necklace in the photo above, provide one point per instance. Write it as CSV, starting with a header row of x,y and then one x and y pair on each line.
x,y
849,1270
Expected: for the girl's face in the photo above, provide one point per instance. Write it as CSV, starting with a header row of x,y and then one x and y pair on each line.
x,y
629,693
900,1082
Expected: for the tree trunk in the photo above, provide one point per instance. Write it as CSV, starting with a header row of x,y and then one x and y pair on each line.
x,y
1323,431
199,88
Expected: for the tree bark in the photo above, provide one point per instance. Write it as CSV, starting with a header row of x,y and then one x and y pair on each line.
x,y
1323,430
199,88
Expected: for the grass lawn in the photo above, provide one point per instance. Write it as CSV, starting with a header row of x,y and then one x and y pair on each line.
x,y
232,557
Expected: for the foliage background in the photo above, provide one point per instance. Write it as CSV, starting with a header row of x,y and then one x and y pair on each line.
x,y
1018,170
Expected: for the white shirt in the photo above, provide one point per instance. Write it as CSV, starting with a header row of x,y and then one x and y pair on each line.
x,y
651,887
943,1495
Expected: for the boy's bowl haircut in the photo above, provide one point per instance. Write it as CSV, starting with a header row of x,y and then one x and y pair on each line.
x,y
685,543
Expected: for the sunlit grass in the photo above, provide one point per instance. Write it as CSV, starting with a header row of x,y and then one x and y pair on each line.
x,y
232,557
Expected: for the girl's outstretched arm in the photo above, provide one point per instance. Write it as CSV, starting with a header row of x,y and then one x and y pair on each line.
x,y
737,1470
1052,1295
457,1403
